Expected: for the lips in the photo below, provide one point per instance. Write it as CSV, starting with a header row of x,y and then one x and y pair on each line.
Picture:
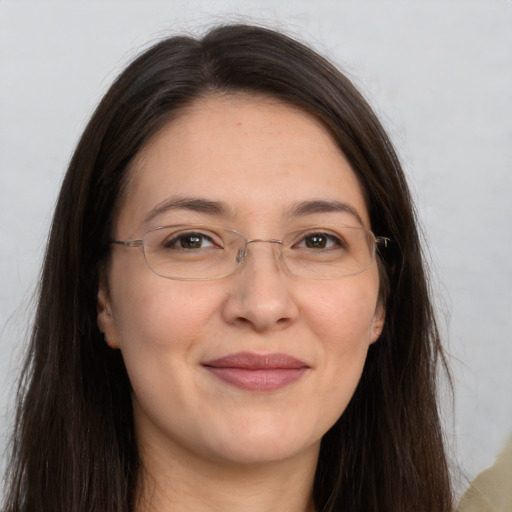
x,y
255,372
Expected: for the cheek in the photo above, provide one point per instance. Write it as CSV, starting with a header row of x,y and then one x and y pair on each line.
x,y
160,328
157,315
342,318
342,315
346,344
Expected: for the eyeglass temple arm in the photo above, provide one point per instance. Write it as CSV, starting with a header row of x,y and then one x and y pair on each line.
x,y
129,243
382,240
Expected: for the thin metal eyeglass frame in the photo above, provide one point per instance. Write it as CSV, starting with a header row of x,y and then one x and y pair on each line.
x,y
242,254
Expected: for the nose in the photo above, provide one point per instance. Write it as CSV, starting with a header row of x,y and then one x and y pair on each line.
x,y
260,297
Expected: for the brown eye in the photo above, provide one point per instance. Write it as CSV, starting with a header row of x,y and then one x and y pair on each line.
x,y
319,241
189,241
316,242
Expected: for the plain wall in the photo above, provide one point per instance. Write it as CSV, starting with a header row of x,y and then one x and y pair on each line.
x,y
439,73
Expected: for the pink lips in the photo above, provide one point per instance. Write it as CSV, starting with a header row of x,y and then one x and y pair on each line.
x,y
255,372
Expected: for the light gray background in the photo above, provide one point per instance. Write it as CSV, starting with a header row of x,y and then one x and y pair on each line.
x,y
439,73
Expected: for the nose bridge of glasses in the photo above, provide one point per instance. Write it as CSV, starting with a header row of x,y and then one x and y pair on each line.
x,y
242,253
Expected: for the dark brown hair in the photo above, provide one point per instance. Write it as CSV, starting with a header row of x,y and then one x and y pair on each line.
x,y
74,448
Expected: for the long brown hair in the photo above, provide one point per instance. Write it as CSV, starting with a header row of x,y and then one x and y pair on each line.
x,y
73,447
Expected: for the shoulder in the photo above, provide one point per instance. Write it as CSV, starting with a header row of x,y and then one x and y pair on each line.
x,y
491,490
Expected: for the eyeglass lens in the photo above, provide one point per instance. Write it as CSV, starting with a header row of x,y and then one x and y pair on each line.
x,y
192,252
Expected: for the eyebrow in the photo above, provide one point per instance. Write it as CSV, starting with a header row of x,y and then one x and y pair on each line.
x,y
219,209
323,206
192,204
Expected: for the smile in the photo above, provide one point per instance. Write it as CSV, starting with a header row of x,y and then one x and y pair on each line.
x,y
254,372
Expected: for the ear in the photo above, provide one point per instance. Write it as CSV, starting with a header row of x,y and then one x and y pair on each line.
x,y
379,318
105,319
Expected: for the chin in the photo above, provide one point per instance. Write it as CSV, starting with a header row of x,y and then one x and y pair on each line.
x,y
265,445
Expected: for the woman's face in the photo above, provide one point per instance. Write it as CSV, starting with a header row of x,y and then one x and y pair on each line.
x,y
256,366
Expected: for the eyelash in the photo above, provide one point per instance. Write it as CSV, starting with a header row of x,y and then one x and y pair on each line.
x,y
329,237
176,242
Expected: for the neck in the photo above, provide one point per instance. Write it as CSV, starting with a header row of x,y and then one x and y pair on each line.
x,y
181,481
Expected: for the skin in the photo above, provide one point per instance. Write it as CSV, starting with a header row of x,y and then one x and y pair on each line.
x,y
207,445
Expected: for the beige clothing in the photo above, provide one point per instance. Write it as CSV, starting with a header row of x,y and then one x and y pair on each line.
x,y
491,490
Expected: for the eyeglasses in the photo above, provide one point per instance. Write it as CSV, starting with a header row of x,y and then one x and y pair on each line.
x,y
199,253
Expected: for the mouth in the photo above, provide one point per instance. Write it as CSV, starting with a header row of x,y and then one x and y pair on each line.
x,y
255,372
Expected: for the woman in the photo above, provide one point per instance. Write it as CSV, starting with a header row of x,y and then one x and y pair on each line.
x,y
218,327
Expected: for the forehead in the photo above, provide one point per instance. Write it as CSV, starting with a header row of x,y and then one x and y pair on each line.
x,y
256,156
